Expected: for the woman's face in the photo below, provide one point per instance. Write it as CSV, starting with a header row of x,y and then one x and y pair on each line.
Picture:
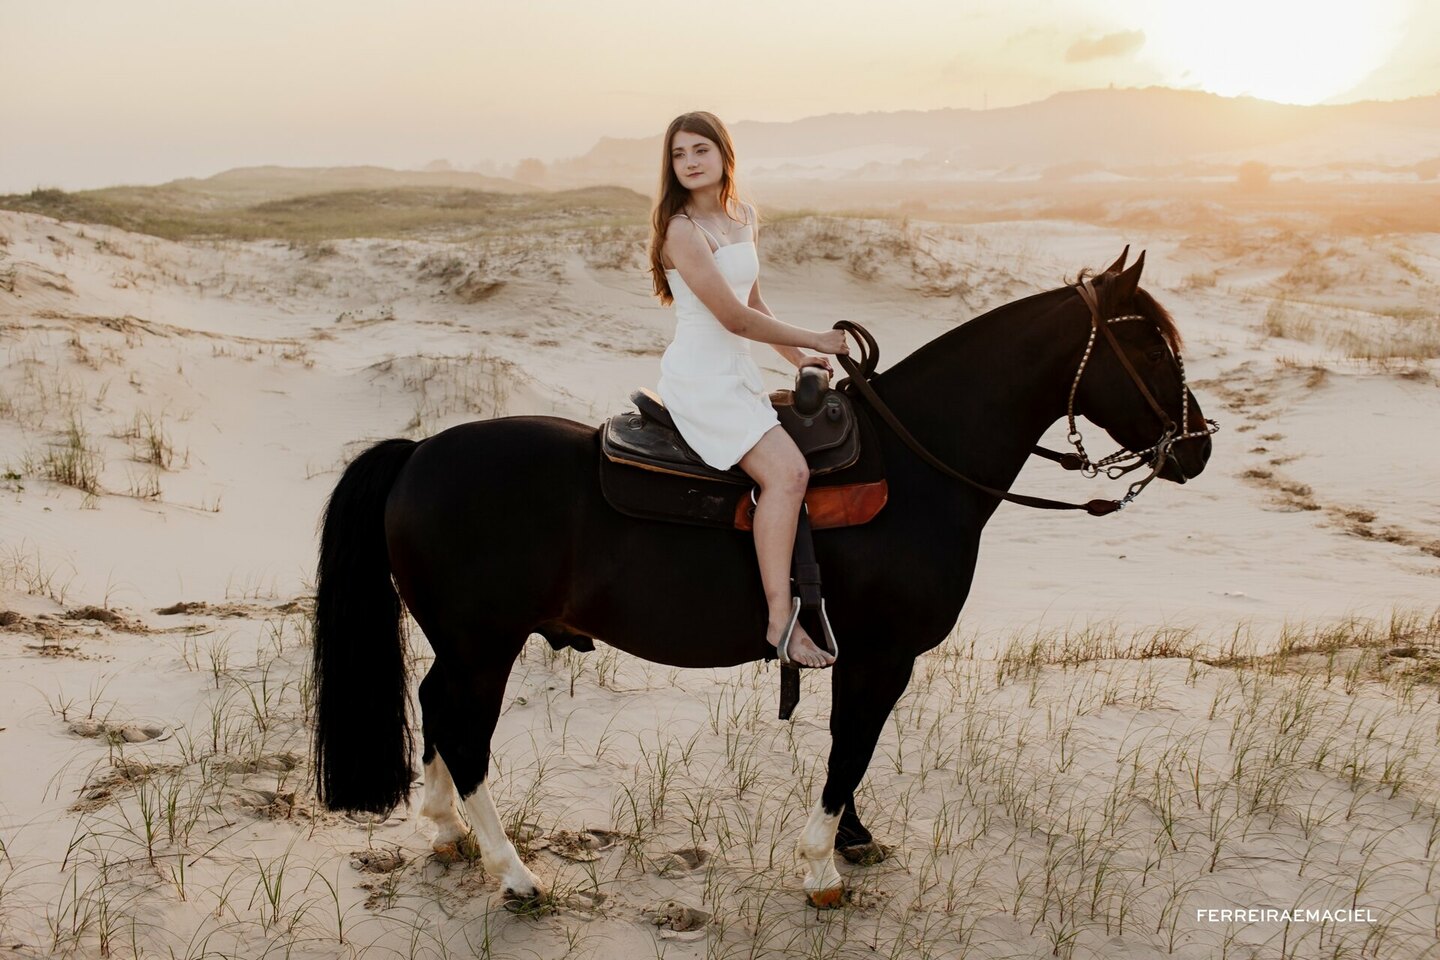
x,y
696,160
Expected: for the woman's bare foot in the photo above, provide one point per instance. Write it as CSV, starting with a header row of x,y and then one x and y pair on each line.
x,y
802,649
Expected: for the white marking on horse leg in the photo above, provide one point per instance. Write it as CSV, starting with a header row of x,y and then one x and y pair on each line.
x,y
439,805
817,849
496,851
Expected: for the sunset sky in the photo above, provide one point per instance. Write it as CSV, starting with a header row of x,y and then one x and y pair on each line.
x,y
95,93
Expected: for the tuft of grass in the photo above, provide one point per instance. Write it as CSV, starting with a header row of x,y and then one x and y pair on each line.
x,y
26,570
149,439
75,461
474,385
1376,337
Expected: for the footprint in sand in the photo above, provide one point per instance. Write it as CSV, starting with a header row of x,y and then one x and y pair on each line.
x,y
128,732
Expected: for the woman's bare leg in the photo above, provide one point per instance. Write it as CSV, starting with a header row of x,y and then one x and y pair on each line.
x,y
778,469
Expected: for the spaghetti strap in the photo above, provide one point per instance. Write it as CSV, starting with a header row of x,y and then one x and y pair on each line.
x,y
708,235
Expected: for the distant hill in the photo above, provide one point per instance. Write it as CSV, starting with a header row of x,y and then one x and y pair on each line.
x,y
245,186
330,203
1134,132
274,182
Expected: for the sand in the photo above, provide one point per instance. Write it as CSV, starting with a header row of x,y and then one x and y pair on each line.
x,y
154,796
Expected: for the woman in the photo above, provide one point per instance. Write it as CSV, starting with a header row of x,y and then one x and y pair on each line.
x,y
704,260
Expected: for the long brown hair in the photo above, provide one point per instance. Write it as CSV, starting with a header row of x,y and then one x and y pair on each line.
x,y
673,195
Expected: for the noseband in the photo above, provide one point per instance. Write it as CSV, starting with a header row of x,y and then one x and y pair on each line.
x,y
1157,454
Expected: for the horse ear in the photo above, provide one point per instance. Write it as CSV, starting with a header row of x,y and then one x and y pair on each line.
x,y
1118,265
1129,281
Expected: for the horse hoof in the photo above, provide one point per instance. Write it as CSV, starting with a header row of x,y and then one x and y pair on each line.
x,y
533,903
829,899
463,850
866,854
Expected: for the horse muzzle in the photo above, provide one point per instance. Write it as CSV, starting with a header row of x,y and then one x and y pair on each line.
x,y
1186,459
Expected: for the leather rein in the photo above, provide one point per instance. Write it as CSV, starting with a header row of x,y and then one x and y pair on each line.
x,y
1155,455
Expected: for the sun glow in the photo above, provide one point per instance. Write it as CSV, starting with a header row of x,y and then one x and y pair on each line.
x,y
1290,52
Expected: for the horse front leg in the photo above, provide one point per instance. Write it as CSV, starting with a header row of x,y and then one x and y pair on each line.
x,y
863,692
853,840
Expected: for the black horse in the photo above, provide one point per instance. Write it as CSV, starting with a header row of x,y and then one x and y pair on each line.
x,y
495,530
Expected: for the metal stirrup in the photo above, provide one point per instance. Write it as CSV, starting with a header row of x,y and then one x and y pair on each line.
x,y
831,647
784,648
805,580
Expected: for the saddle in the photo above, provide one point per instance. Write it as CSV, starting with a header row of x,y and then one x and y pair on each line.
x,y
649,471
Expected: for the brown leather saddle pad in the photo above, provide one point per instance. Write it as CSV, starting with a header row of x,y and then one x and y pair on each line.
x,y
648,471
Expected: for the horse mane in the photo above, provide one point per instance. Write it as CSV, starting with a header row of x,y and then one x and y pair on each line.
x,y
1142,303
959,329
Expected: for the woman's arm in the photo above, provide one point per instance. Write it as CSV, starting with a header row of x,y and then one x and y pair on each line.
x,y
795,355
687,248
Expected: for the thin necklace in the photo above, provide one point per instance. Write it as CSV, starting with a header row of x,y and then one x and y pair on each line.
x,y
726,230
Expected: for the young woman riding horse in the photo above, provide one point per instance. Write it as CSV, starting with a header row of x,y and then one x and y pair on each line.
x,y
496,530
703,258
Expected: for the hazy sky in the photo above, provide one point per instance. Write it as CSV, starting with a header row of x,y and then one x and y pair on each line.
x,y
98,92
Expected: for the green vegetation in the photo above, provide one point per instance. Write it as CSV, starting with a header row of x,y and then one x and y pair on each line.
x,y
307,211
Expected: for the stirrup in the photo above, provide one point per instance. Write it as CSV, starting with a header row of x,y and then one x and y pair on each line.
x,y
831,646
783,649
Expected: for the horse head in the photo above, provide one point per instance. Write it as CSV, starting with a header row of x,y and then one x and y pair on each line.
x,y
1131,380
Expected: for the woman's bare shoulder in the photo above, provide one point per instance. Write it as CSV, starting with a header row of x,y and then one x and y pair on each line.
x,y
681,221
681,240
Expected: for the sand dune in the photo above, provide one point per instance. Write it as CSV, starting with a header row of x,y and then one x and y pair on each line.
x,y
1223,696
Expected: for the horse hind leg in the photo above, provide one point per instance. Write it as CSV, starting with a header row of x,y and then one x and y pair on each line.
x,y
453,841
465,705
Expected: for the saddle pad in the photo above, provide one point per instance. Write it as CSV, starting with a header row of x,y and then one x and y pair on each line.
x,y
845,505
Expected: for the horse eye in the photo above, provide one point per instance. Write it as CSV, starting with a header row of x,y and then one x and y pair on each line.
x,y
1155,354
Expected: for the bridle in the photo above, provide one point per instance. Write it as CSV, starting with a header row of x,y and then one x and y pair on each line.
x,y
1156,455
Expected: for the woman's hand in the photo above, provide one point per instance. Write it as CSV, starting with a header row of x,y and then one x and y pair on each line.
x,y
808,361
832,342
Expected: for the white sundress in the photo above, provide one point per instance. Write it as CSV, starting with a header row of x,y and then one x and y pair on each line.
x,y
708,380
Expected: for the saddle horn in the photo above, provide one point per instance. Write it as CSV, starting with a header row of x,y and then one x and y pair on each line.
x,y
810,386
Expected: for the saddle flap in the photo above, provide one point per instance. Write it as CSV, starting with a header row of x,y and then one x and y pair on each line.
x,y
830,426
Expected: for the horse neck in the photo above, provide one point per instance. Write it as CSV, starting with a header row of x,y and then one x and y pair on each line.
x,y
980,396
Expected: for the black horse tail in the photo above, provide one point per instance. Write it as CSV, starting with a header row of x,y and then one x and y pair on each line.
x,y
363,751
